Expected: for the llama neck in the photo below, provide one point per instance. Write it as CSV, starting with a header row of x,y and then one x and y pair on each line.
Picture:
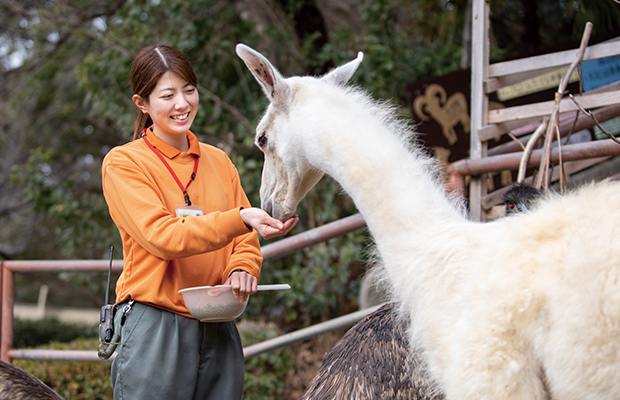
x,y
390,185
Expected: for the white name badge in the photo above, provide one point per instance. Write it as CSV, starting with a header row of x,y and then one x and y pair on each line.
x,y
184,211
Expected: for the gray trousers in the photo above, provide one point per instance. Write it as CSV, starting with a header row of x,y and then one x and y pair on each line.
x,y
167,356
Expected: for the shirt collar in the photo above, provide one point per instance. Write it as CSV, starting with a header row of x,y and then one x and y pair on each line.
x,y
171,151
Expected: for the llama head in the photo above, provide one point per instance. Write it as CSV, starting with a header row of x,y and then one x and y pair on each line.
x,y
287,174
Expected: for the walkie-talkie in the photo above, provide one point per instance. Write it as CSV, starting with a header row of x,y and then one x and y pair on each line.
x,y
106,322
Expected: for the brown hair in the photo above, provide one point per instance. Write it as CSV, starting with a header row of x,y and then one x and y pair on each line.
x,y
147,68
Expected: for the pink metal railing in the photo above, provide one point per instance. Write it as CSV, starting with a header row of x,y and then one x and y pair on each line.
x,y
572,152
9,268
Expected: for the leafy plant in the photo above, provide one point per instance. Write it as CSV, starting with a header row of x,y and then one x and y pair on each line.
x,y
263,373
91,380
31,333
73,379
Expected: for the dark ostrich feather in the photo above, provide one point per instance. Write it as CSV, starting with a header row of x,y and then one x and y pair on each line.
x,y
17,384
373,361
520,197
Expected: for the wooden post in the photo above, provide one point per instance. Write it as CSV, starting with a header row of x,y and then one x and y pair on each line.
x,y
6,336
479,107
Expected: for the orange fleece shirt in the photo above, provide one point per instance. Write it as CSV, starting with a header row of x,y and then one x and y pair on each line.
x,y
162,253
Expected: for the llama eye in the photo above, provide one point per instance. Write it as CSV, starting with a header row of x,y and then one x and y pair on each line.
x,y
262,140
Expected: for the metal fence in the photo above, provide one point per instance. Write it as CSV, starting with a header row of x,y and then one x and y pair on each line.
x,y
272,251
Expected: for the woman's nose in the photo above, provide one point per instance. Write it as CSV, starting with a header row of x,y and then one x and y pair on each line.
x,y
181,103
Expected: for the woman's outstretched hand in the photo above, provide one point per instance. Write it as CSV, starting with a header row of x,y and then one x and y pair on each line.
x,y
265,225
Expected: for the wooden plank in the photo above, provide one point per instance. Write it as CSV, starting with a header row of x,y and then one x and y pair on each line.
x,y
553,59
545,108
549,80
494,84
490,132
493,131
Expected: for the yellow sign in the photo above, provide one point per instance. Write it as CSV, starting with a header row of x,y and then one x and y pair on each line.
x,y
537,84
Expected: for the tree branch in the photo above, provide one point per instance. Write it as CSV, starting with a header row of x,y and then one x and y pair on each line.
x,y
530,147
589,114
544,175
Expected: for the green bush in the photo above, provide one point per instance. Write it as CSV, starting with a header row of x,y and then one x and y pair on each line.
x,y
73,379
264,373
30,333
91,380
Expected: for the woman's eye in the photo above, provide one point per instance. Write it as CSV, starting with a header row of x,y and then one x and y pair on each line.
x,y
191,90
262,140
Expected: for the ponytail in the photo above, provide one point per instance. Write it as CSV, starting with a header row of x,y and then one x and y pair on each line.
x,y
142,121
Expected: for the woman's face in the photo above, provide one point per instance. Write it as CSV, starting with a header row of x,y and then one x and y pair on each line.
x,y
172,106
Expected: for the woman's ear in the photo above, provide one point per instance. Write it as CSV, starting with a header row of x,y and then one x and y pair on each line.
x,y
139,102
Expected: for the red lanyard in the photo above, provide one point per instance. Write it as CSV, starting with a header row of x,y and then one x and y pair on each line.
x,y
192,177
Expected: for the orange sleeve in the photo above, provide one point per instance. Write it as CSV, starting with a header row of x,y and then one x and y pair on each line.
x,y
246,254
137,205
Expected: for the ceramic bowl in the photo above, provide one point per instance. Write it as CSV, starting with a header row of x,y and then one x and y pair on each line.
x,y
212,303
217,303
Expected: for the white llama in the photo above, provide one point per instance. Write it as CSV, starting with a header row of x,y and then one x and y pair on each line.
x,y
373,360
526,307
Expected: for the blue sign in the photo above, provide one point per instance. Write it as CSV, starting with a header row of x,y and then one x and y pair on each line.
x,y
601,72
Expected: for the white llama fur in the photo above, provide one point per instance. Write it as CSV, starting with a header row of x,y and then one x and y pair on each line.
x,y
525,307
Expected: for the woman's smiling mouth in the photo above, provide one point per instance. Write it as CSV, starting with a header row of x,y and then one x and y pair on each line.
x,y
180,117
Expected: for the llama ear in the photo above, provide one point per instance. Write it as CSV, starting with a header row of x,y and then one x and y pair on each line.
x,y
342,74
266,74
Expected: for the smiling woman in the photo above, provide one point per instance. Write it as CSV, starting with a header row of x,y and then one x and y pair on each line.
x,y
185,221
172,107
162,74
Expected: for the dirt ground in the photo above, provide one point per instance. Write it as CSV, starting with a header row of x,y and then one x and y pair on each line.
x,y
309,356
